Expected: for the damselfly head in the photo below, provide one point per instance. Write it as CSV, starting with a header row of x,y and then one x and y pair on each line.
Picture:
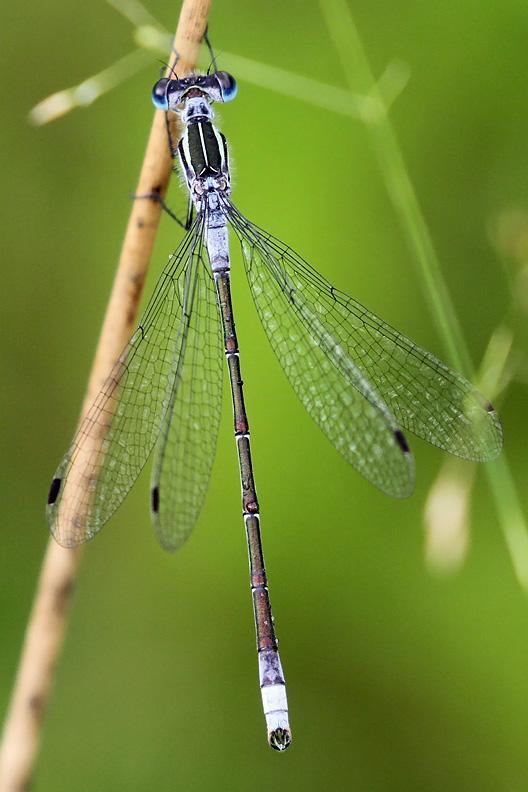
x,y
218,87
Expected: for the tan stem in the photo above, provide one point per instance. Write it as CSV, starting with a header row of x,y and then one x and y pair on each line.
x,y
47,623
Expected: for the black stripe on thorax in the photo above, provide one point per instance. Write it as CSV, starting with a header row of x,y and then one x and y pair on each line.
x,y
183,160
204,150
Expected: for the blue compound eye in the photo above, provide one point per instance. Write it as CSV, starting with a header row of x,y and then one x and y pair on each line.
x,y
228,86
160,96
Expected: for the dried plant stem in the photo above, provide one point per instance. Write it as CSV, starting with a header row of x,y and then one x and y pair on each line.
x,y
47,624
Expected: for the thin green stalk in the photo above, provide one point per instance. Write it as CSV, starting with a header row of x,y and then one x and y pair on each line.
x,y
511,516
397,180
401,191
86,92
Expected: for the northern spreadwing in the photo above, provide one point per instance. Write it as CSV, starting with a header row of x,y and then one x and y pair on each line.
x,y
362,381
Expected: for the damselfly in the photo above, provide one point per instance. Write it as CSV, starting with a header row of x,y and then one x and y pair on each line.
x,y
359,379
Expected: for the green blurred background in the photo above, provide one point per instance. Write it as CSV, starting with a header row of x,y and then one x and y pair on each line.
x,y
397,679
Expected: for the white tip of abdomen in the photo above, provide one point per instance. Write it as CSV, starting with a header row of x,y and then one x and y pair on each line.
x,y
274,700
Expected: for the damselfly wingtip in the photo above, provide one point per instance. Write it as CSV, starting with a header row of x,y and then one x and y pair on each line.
x,y
485,437
495,434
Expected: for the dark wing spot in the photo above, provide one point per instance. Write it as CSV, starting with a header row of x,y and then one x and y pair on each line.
x,y
402,442
155,500
54,490
488,406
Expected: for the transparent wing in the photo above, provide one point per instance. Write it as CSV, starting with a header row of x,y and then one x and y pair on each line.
x,y
325,377
426,397
186,448
120,429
